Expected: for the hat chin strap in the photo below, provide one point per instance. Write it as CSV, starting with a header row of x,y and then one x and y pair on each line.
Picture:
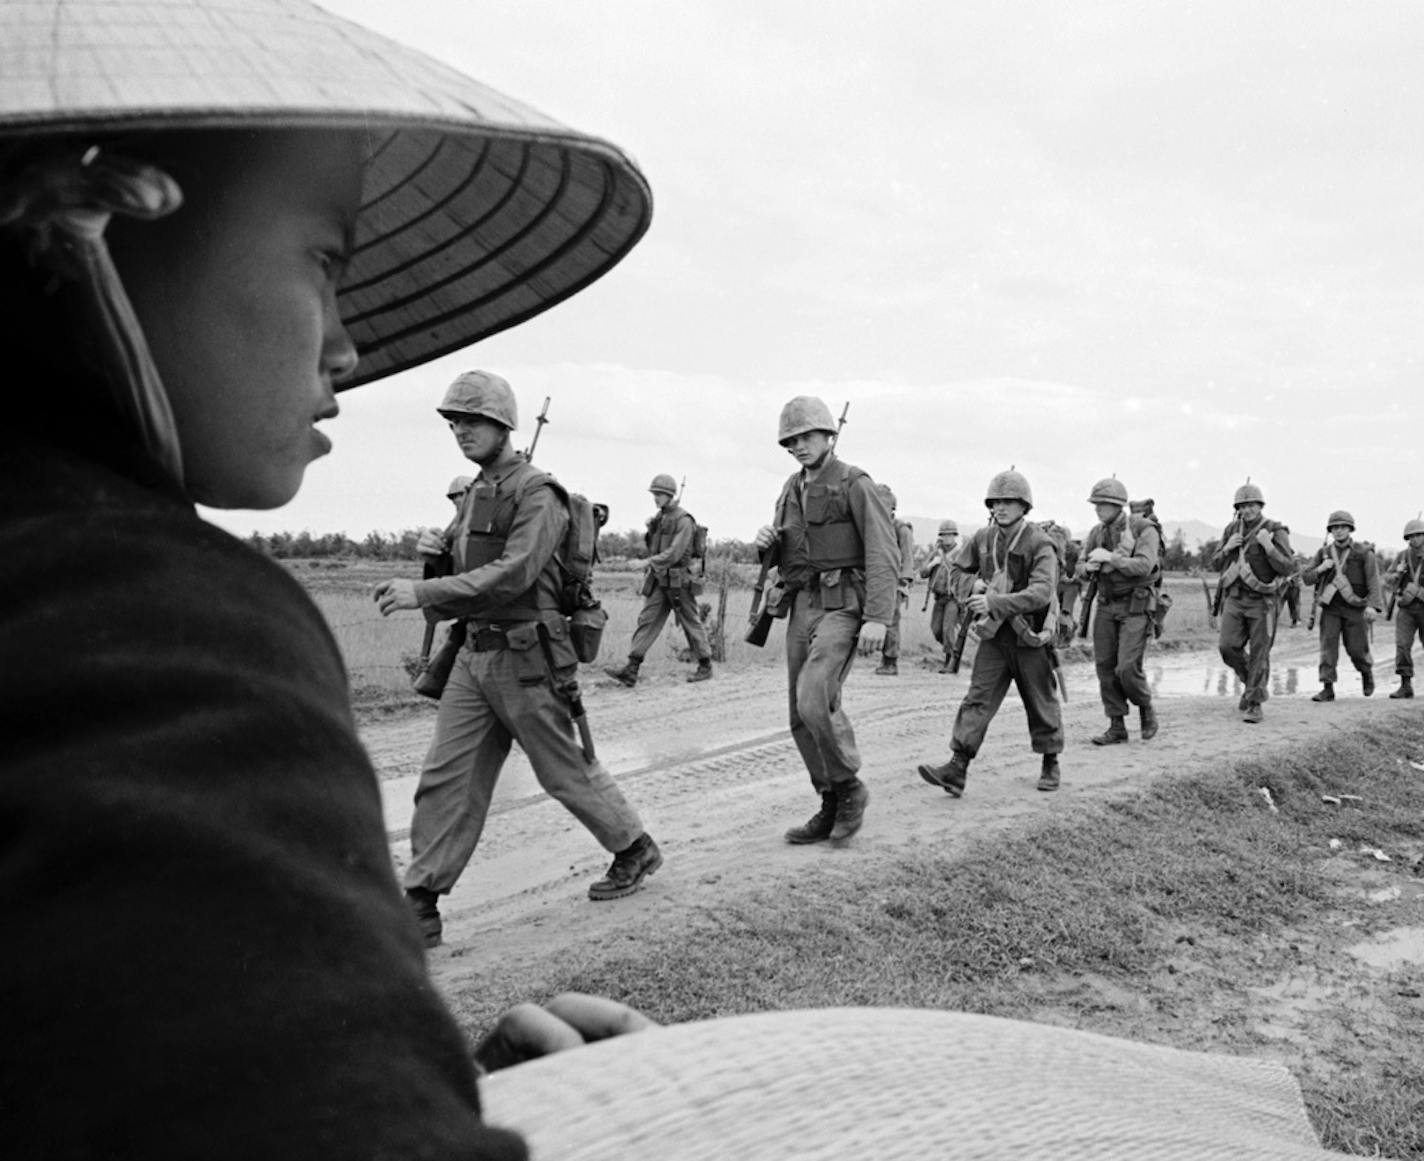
x,y
64,205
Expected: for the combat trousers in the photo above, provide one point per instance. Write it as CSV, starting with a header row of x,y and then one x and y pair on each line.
x,y
484,708
1119,643
890,651
1343,621
1246,619
820,649
997,662
944,623
681,603
1408,624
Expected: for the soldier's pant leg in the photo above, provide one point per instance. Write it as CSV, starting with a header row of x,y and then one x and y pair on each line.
x,y
685,606
1330,625
539,720
1033,675
952,613
890,650
459,775
937,620
1293,602
1235,632
1355,631
1258,665
1133,635
1408,624
820,649
651,619
1107,628
988,683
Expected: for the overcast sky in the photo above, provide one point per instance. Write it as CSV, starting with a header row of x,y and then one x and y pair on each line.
x,y
1182,244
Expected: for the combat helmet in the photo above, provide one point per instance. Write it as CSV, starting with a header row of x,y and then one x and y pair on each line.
x,y
663,482
1414,527
1010,485
481,393
1248,493
1340,516
802,414
1109,491
459,486
948,527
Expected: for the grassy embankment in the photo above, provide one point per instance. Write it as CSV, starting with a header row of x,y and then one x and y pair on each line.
x,y
1191,915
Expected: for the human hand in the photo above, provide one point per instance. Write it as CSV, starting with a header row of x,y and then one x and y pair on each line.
x,y
764,537
1099,556
872,637
431,543
1370,615
979,604
570,1020
1233,542
395,594
1264,537
1324,566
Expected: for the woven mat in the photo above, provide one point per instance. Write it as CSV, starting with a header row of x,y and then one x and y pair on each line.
x,y
875,1082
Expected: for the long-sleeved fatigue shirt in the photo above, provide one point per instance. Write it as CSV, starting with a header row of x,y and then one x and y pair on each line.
x,y
1136,549
1357,565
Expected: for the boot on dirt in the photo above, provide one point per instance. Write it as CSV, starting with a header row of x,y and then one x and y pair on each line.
x,y
851,800
628,675
817,828
630,867
1048,777
1113,735
1327,692
1254,714
1367,682
944,667
1406,689
427,914
888,667
949,777
1149,722
703,672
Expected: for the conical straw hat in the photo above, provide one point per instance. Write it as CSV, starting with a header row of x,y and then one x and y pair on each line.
x,y
479,212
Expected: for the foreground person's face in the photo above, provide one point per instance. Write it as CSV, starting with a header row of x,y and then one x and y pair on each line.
x,y
236,294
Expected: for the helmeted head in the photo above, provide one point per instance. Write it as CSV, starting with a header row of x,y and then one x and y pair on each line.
x,y
459,486
482,394
802,414
663,484
947,528
1010,485
1339,519
1109,491
1414,528
1248,493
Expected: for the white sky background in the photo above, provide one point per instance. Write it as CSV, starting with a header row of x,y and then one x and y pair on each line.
x,y
1179,243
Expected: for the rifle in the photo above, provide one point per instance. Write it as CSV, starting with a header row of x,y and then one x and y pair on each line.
x,y
928,590
569,691
1216,604
759,620
539,421
678,498
961,639
1090,594
430,678
1206,592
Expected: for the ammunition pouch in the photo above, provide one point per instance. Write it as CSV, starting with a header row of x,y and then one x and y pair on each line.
x,y
586,625
777,602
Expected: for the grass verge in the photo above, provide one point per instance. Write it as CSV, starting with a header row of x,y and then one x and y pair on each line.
x,y
1194,913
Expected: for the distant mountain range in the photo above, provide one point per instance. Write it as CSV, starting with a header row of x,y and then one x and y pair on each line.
x,y
1194,532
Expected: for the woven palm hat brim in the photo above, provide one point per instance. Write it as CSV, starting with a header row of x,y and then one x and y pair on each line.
x,y
478,212
896,1083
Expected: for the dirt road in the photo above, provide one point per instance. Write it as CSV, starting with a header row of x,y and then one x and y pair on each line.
x,y
714,772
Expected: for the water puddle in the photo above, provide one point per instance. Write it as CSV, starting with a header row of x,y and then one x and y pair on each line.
x,y
1189,677
1394,949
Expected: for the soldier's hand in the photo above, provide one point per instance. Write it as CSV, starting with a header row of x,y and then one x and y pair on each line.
x,y
395,594
765,536
979,604
431,543
1099,556
1264,537
570,1020
1324,566
872,637
1233,542
1370,615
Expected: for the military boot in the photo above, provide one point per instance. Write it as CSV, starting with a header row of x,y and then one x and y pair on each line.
x,y
628,675
703,672
1406,689
1327,692
1115,733
851,800
427,914
950,777
630,867
1149,722
888,667
1049,775
1367,682
818,827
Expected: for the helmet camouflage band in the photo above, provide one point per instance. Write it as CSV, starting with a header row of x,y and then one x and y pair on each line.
x,y
483,394
1248,493
948,528
802,414
663,482
1010,485
1340,516
1414,527
1109,491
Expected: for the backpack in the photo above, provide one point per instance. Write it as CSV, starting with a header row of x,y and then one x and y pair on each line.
x,y
576,557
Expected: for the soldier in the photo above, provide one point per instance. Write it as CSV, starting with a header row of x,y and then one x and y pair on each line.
x,y
944,617
1017,569
1407,594
1254,558
1123,560
1292,595
835,544
1068,551
1347,601
905,538
503,687
457,489
668,586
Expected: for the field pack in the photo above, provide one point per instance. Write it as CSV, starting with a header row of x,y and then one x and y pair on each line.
x,y
576,558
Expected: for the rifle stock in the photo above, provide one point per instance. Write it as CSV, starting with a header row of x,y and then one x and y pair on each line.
x,y
759,620
961,638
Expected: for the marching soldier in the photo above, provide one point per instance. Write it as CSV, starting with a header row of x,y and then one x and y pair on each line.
x,y
503,687
1347,602
837,560
1017,569
944,617
905,538
668,586
1407,597
1123,559
1254,559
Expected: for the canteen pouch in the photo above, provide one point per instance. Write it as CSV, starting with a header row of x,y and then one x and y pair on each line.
x,y
650,583
778,601
585,625
430,681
